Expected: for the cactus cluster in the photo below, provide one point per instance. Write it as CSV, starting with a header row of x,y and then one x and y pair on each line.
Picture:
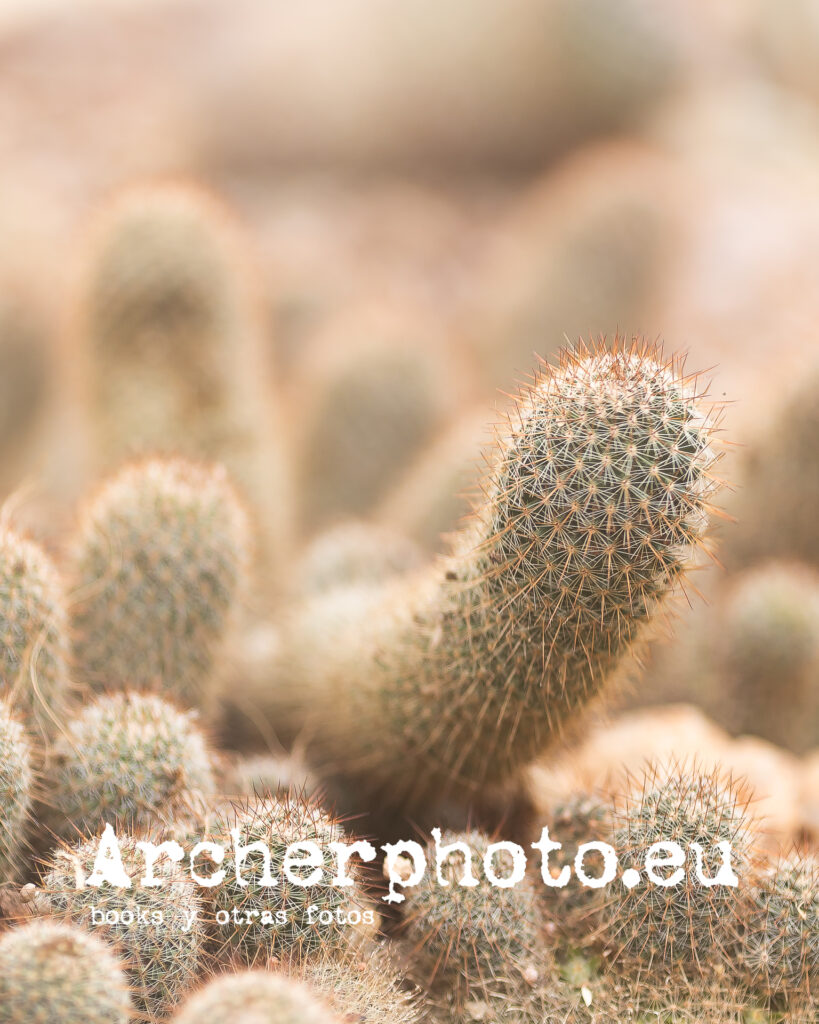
x,y
51,972
159,931
132,759
594,506
33,633
16,780
156,569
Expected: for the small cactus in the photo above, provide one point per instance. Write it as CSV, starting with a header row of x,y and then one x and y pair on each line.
x,y
779,952
579,819
158,930
471,938
689,923
368,989
594,506
769,648
16,780
255,997
375,398
157,566
354,553
129,758
278,822
33,645
51,973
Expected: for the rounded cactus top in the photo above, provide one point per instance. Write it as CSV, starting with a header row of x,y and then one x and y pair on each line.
x,y
54,972
255,997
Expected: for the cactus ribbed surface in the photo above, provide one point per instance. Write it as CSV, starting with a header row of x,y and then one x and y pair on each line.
x,y
16,778
130,758
367,989
33,645
156,567
255,997
163,946
593,508
687,923
54,974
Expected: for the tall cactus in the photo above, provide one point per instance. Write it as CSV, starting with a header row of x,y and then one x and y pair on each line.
x,y
170,347
33,631
156,569
593,507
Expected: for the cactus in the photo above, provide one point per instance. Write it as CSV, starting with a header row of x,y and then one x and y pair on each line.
x,y
779,952
376,397
16,780
471,938
354,552
579,819
33,646
433,496
163,944
687,924
778,503
584,248
594,506
130,758
278,822
157,566
51,973
368,989
254,996
769,647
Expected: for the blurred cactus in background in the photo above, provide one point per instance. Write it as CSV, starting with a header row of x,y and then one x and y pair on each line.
x,y
257,996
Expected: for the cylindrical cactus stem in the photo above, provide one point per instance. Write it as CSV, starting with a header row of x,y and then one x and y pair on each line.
x,y
169,344
16,780
52,972
156,569
594,505
33,634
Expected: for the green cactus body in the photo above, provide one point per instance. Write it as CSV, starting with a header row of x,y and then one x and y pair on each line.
x,y
354,553
33,646
54,974
16,780
255,997
376,398
163,945
689,923
581,819
780,941
157,567
471,938
130,758
465,672
769,646
278,822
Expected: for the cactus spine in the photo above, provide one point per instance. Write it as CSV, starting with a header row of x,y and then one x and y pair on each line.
x,y
255,996
158,930
16,778
33,646
593,508
129,758
157,567
51,973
